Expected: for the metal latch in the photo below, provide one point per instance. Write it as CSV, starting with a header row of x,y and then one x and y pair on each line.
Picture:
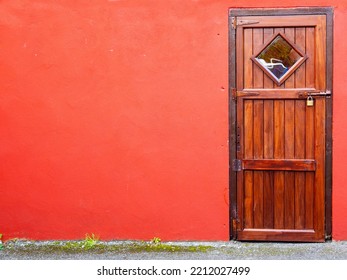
x,y
236,165
306,94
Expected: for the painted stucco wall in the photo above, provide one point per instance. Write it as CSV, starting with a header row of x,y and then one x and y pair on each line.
x,y
114,118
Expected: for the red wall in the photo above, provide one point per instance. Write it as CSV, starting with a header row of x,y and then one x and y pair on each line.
x,y
114,118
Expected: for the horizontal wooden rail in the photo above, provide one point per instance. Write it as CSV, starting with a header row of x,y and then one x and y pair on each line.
x,y
279,164
299,93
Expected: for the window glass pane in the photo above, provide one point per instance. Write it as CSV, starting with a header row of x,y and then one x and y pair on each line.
x,y
278,57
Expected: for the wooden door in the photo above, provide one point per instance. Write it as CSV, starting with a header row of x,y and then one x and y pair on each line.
x,y
280,161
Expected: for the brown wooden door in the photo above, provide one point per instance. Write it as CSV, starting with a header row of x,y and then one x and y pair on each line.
x,y
280,150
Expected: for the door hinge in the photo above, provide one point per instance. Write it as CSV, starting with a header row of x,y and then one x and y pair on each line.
x,y
237,22
234,22
235,222
233,93
237,165
328,237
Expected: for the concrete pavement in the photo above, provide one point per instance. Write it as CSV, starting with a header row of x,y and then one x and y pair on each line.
x,y
136,250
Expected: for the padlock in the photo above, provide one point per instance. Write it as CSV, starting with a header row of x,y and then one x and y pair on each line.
x,y
309,101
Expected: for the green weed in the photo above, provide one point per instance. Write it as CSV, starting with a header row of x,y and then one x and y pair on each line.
x,y
156,240
90,241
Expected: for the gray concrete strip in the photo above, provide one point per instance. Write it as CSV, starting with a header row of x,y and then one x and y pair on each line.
x,y
135,250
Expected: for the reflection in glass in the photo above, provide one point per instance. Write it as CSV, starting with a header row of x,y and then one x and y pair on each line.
x,y
278,57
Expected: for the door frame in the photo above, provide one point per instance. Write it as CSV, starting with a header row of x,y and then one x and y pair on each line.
x,y
233,134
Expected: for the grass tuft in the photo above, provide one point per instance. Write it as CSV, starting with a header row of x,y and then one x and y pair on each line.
x,y
90,241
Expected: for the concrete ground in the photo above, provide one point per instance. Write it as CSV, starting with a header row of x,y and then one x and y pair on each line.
x,y
135,250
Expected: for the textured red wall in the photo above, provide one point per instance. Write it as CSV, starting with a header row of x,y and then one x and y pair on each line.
x,y
114,118
340,125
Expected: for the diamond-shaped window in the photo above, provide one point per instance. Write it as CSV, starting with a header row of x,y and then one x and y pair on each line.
x,y
279,58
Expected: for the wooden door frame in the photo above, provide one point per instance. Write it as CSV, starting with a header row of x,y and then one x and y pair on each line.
x,y
233,134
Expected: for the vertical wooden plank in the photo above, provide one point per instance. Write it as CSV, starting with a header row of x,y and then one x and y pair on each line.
x,y
240,189
300,41
268,129
247,54
289,129
248,199
239,58
258,121
309,200
289,154
268,153
300,120
277,30
258,130
268,199
320,80
299,200
248,129
310,54
258,189
268,34
279,141
279,153
258,74
320,36
290,34
309,127
248,154
278,200
319,214
309,154
289,178
300,131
